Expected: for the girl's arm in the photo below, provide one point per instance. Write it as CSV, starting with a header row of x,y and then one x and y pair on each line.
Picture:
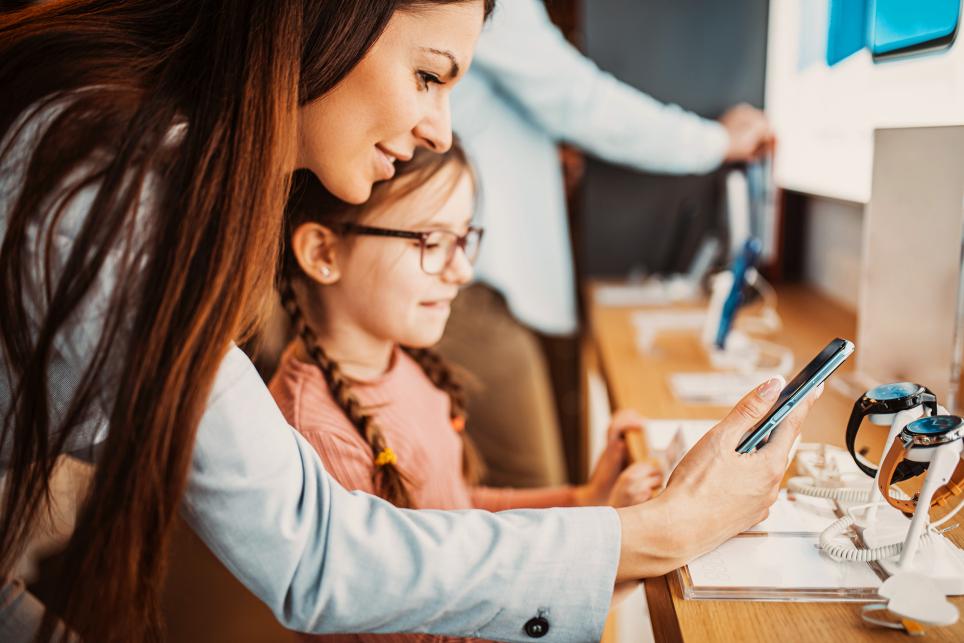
x,y
611,482
500,499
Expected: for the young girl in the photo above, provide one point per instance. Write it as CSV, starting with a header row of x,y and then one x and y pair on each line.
x,y
369,287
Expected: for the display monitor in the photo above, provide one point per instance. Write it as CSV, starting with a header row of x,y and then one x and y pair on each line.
x,y
827,91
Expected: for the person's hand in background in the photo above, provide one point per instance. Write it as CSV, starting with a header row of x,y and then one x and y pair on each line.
x,y
750,132
612,482
573,168
637,483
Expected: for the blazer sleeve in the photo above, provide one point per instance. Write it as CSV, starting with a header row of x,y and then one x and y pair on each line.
x,y
326,560
349,464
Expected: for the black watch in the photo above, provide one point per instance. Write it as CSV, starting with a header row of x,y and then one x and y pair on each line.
x,y
888,399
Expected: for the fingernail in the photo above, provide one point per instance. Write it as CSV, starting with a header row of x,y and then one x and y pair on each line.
x,y
769,389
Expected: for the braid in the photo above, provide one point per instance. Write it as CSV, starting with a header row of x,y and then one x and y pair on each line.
x,y
440,373
387,477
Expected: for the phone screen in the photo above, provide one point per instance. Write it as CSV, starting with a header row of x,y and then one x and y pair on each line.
x,y
818,370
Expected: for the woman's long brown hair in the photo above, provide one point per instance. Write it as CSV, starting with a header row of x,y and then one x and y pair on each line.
x,y
189,276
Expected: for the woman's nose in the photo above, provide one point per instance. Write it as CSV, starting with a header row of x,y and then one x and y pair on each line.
x,y
435,130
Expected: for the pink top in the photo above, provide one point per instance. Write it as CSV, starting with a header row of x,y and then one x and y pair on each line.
x,y
414,418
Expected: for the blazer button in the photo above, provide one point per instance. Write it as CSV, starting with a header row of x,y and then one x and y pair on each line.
x,y
537,627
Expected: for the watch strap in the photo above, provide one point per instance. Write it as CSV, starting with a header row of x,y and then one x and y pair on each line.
x,y
857,415
888,469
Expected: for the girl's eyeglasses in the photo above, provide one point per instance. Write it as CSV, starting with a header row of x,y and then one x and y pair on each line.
x,y
437,246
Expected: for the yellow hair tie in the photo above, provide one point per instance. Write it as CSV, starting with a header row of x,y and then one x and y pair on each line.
x,y
385,456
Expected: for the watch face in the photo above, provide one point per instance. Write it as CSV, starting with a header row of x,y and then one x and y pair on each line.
x,y
893,391
936,425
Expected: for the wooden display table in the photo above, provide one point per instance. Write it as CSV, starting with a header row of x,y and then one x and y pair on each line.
x,y
809,322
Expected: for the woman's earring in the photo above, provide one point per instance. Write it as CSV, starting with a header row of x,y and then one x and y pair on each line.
x,y
325,272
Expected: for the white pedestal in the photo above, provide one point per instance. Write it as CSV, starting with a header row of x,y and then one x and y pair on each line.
x,y
939,559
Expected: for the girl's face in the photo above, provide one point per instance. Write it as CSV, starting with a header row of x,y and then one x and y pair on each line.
x,y
395,99
380,293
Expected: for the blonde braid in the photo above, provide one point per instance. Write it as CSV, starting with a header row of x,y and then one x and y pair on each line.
x,y
391,483
442,376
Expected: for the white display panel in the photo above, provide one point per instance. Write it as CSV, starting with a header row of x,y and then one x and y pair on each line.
x,y
825,116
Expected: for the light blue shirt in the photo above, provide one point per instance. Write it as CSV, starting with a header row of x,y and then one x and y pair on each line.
x,y
324,559
527,90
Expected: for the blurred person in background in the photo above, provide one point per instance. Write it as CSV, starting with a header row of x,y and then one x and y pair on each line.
x,y
528,91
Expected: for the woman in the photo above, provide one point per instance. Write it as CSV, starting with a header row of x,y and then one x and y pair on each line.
x,y
146,149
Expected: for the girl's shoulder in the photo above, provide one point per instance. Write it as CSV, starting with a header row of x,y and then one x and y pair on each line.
x,y
405,401
409,379
304,398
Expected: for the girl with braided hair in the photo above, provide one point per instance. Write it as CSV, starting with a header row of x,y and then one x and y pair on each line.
x,y
368,288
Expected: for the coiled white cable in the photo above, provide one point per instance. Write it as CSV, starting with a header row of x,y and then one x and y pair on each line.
x,y
850,552
807,486
817,484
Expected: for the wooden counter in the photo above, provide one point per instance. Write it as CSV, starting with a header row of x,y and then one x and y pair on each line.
x,y
640,382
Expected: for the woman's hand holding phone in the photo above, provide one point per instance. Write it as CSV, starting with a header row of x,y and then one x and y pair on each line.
x,y
714,493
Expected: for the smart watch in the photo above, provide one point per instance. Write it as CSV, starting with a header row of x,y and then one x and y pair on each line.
x,y
924,433
888,399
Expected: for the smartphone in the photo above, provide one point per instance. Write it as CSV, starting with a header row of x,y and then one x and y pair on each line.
x,y
744,262
812,375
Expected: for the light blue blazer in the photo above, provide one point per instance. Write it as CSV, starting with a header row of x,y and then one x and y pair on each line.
x,y
324,559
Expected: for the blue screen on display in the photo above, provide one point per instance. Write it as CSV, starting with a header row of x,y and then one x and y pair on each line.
x,y
847,29
900,25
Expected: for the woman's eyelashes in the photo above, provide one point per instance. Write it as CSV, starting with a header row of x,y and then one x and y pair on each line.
x,y
426,78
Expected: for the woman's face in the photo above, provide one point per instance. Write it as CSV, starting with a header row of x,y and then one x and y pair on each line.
x,y
395,99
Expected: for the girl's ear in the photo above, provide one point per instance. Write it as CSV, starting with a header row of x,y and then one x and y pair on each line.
x,y
315,248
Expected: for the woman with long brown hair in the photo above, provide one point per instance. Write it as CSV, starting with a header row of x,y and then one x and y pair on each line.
x,y
145,154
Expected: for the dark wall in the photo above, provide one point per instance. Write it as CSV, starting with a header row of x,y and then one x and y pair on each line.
x,y
704,55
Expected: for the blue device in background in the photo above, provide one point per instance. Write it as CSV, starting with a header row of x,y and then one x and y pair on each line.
x,y
902,27
744,261
847,29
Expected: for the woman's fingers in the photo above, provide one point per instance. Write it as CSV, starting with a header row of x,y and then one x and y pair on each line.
x,y
713,480
750,410
783,437
756,403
